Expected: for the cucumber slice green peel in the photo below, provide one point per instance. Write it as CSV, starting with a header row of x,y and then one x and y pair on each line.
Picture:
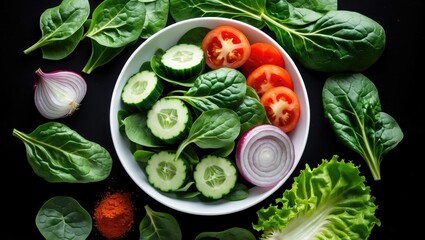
x,y
142,90
215,176
169,120
165,173
183,61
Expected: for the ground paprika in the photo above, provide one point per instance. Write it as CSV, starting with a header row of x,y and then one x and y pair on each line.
x,y
113,215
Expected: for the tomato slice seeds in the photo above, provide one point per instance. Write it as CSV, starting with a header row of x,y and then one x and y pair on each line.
x,y
225,46
282,107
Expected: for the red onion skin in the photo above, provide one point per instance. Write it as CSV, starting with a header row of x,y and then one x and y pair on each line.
x,y
241,160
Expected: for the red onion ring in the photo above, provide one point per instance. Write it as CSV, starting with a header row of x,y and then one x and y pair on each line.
x,y
265,155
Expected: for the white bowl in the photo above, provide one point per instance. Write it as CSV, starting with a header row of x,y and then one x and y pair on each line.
x,y
164,39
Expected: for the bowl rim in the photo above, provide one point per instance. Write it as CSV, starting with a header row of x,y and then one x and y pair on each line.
x,y
220,207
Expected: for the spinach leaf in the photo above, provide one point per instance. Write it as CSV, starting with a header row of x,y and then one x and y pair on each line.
x,y
249,11
224,151
338,41
142,156
220,88
59,154
284,12
156,17
190,154
351,104
100,55
188,191
116,23
62,217
194,36
315,5
239,192
215,128
233,233
138,132
60,49
159,225
315,33
61,22
121,115
251,113
145,66
252,93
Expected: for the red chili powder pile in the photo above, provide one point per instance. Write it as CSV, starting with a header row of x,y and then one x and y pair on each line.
x,y
113,215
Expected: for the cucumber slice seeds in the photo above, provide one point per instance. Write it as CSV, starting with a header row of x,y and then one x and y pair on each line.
x,y
215,176
165,173
169,120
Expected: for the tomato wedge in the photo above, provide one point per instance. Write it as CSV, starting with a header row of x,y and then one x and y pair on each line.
x,y
225,46
262,53
267,76
282,107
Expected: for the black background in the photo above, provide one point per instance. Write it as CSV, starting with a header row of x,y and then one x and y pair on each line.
x,y
398,75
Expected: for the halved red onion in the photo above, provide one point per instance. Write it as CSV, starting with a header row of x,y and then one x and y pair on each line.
x,y
265,155
58,94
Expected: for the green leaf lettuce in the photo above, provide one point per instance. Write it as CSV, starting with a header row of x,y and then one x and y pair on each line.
x,y
327,202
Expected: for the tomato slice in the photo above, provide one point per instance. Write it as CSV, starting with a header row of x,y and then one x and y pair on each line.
x,y
282,107
267,76
262,53
225,46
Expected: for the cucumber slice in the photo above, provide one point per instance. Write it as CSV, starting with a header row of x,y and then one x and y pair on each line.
x,y
166,174
142,90
215,176
183,61
169,120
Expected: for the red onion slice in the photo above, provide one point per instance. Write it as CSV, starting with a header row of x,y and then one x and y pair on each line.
x,y
265,155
